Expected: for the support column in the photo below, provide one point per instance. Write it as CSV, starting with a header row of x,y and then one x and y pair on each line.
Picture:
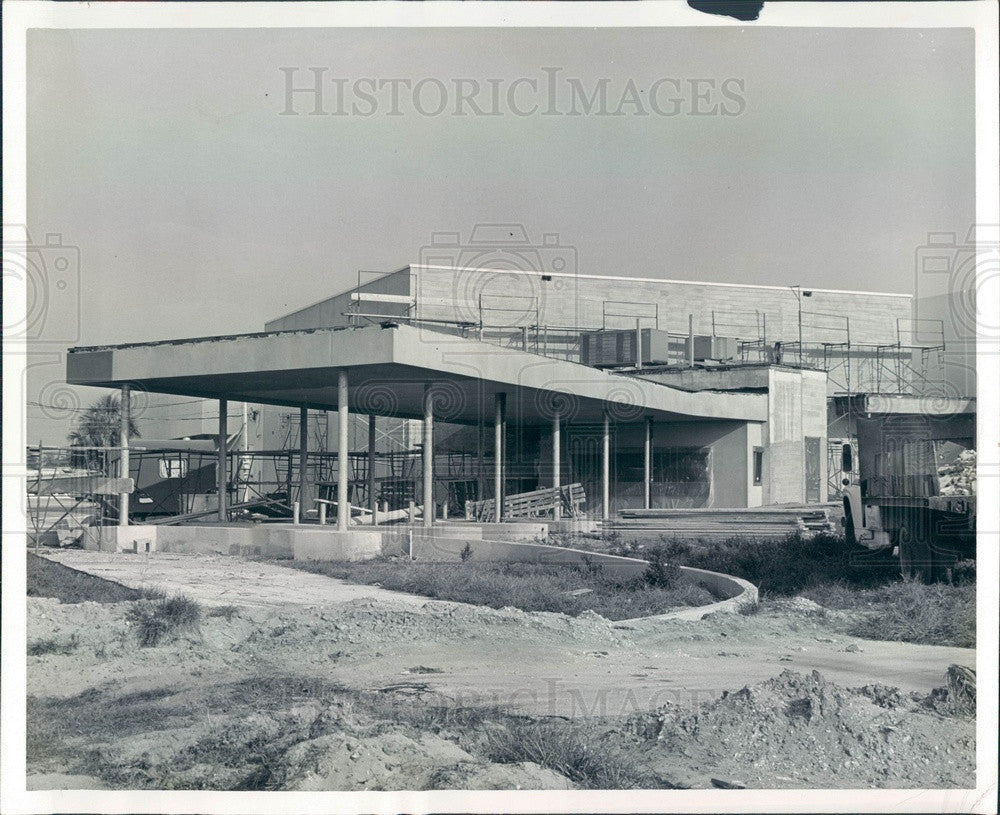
x,y
372,498
556,461
343,454
428,454
124,415
222,466
647,465
303,461
606,470
498,457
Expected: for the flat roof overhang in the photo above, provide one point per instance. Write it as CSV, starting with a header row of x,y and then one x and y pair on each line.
x,y
388,368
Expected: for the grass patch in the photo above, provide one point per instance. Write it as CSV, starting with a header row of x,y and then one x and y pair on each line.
x,y
528,586
566,749
829,571
905,611
779,567
228,612
155,620
37,648
46,578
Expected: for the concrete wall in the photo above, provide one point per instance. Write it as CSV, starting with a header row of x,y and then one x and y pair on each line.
x,y
267,540
566,300
330,312
796,410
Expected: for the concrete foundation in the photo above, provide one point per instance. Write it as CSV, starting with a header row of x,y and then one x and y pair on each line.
x,y
251,540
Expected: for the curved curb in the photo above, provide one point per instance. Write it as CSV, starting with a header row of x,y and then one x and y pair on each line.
x,y
737,591
742,593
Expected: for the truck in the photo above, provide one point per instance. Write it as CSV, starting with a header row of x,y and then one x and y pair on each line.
x,y
910,489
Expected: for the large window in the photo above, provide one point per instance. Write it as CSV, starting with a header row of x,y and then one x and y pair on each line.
x,y
671,465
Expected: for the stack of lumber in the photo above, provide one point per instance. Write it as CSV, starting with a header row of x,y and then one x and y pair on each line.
x,y
534,504
718,524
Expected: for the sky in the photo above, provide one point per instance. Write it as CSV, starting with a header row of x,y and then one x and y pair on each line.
x,y
193,196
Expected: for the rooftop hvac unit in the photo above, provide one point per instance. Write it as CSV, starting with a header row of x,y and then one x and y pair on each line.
x,y
617,347
715,349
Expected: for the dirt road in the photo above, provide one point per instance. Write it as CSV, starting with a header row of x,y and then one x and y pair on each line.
x,y
366,637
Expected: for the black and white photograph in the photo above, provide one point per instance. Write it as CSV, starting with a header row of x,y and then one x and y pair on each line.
x,y
500,407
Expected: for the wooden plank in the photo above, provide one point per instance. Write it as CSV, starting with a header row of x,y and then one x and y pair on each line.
x,y
81,485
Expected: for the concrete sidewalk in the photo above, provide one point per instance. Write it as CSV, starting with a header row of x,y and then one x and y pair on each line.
x,y
219,580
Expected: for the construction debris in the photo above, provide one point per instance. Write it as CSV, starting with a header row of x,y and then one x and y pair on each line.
x,y
959,477
719,524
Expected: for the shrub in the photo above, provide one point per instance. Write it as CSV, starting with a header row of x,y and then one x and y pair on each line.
x,y
911,611
566,750
155,620
782,566
38,648
661,572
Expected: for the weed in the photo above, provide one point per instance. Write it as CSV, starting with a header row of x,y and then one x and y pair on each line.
x,y
155,620
38,648
911,611
466,552
662,572
567,750
783,566
223,611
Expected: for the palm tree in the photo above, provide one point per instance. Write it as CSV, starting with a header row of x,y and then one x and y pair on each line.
x,y
99,426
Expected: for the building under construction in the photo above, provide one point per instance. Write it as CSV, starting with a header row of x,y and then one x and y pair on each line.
x,y
484,392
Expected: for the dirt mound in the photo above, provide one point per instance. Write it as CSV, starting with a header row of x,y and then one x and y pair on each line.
x,y
800,730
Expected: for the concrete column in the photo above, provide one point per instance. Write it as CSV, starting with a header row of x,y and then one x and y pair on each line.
x,y
606,469
303,461
123,460
556,460
647,465
428,454
222,467
498,456
372,498
343,453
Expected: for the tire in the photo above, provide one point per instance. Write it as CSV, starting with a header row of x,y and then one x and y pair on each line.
x,y
915,557
849,532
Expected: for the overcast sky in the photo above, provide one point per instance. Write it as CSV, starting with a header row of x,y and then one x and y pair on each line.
x,y
199,209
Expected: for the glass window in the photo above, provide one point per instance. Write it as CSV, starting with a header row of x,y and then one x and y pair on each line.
x,y
173,468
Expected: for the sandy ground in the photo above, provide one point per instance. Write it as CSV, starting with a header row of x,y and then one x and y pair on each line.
x,y
295,624
538,662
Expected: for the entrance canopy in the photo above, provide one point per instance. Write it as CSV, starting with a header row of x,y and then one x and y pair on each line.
x,y
389,368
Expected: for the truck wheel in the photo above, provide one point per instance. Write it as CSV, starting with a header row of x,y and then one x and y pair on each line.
x,y
849,533
915,558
